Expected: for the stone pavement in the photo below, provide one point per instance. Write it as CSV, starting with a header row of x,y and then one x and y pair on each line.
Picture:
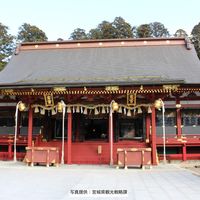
x,y
169,181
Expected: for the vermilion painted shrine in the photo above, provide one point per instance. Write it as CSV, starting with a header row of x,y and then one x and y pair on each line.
x,y
61,95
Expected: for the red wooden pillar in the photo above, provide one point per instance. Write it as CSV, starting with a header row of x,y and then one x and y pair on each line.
x,y
178,120
184,152
30,126
153,136
69,138
78,128
9,150
148,125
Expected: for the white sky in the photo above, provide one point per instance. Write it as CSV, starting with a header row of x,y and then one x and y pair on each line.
x,y
58,18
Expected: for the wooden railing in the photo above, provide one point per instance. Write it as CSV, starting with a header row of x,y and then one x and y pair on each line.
x,y
7,143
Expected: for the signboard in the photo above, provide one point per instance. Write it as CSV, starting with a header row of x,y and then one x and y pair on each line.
x,y
131,99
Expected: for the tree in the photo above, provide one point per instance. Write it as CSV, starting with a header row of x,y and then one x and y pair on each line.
x,y
78,34
104,30
122,29
119,28
180,33
29,33
6,45
154,29
158,30
60,39
107,30
143,31
196,38
94,34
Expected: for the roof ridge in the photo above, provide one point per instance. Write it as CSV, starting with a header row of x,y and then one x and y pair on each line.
x,y
104,40
126,42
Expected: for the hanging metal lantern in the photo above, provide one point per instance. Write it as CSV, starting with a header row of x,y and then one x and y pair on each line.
x,y
158,104
115,106
178,105
22,106
60,107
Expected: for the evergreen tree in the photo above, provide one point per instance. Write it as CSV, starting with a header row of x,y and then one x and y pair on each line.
x,y
158,30
78,34
119,28
104,30
143,31
29,33
180,33
6,45
122,29
196,38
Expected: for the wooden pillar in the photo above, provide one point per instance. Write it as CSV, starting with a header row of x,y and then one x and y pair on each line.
x,y
184,152
78,127
178,120
10,150
69,137
30,126
148,125
153,136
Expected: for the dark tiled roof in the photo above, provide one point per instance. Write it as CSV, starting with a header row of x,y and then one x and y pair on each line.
x,y
127,65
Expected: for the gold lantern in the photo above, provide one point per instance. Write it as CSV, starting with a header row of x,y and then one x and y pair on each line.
x,y
115,106
178,105
60,107
158,104
22,106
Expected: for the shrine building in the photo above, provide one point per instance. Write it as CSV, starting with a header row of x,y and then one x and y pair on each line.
x,y
90,99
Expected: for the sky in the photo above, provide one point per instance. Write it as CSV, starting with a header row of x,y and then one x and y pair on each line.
x,y
58,18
